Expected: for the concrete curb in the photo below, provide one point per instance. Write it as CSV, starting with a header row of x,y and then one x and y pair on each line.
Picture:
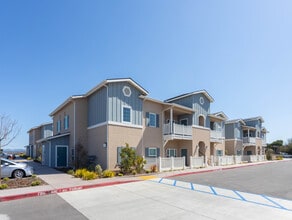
x,y
60,190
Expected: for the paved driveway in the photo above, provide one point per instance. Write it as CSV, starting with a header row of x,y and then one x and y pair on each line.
x,y
272,179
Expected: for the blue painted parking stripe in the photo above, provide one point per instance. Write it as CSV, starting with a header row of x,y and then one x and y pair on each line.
x,y
240,196
277,204
213,190
192,186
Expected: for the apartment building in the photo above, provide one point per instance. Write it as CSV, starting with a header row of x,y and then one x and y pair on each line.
x,y
119,111
37,137
245,136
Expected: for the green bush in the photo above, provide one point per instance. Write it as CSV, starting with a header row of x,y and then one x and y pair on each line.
x,y
108,174
3,186
139,164
98,170
79,173
70,172
85,174
36,183
128,156
279,157
269,154
89,175
5,179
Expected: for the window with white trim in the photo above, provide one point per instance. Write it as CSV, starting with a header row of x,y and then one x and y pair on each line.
x,y
171,152
152,152
66,122
152,120
59,126
219,152
126,114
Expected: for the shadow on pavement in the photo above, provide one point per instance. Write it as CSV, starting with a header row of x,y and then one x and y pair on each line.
x,y
40,169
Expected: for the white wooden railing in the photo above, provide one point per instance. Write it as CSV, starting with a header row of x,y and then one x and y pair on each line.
x,y
216,134
249,140
177,129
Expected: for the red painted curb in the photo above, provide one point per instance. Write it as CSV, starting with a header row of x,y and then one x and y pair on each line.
x,y
66,189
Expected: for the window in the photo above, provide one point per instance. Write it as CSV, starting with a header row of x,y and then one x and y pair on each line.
x,y
238,152
152,120
184,121
152,152
219,152
59,126
66,122
126,114
171,152
212,125
201,121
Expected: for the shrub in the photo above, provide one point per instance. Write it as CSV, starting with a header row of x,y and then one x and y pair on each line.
x,y
5,179
98,170
128,156
139,163
85,174
279,157
134,172
153,169
108,173
89,175
3,186
29,158
269,154
36,183
79,173
70,172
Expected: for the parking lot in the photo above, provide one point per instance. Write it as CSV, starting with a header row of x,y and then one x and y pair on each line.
x,y
272,179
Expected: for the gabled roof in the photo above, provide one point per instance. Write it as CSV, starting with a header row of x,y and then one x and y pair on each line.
x,y
190,94
184,108
254,119
41,125
221,114
67,101
107,81
235,121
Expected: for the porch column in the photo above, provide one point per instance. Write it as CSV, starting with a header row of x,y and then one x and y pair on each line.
x,y
171,120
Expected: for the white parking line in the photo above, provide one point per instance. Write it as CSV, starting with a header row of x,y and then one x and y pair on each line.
x,y
232,194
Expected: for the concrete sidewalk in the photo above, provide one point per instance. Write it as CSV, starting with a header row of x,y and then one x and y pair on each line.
x,y
62,182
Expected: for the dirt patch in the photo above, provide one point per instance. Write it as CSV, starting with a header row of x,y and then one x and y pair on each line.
x,y
23,182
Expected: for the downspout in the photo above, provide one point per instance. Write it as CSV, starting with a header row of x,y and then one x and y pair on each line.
x,y
74,136
107,123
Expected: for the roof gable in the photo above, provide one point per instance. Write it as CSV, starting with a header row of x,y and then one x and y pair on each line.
x,y
204,92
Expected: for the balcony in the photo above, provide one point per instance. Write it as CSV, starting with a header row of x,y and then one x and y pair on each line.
x,y
177,131
249,141
216,136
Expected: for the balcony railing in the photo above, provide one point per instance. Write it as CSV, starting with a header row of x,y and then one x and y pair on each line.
x,y
177,131
216,135
249,140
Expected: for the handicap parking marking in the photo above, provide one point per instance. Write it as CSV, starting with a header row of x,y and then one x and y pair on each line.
x,y
231,194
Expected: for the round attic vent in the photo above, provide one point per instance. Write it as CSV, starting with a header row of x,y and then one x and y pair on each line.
x,y
127,91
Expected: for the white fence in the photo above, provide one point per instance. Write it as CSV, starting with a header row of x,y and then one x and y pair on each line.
x,y
197,162
178,163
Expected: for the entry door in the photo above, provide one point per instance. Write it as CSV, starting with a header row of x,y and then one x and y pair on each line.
x,y
62,152
184,153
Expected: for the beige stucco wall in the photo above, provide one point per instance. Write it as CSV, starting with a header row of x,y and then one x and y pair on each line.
x,y
120,135
178,145
232,146
95,144
77,124
152,137
201,135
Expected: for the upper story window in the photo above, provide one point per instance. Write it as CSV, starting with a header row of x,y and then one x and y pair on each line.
x,y
201,121
127,114
184,121
66,122
152,120
59,126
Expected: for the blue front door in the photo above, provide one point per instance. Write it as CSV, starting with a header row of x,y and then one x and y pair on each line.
x,y
61,156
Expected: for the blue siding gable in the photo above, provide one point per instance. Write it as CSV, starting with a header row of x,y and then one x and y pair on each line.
x,y
117,100
97,107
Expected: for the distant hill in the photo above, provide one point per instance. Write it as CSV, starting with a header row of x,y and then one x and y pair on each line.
x,y
14,150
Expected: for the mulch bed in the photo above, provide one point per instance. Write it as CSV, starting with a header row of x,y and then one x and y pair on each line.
x,y
22,182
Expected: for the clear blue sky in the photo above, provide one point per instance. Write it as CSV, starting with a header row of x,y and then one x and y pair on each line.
x,y
239,51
